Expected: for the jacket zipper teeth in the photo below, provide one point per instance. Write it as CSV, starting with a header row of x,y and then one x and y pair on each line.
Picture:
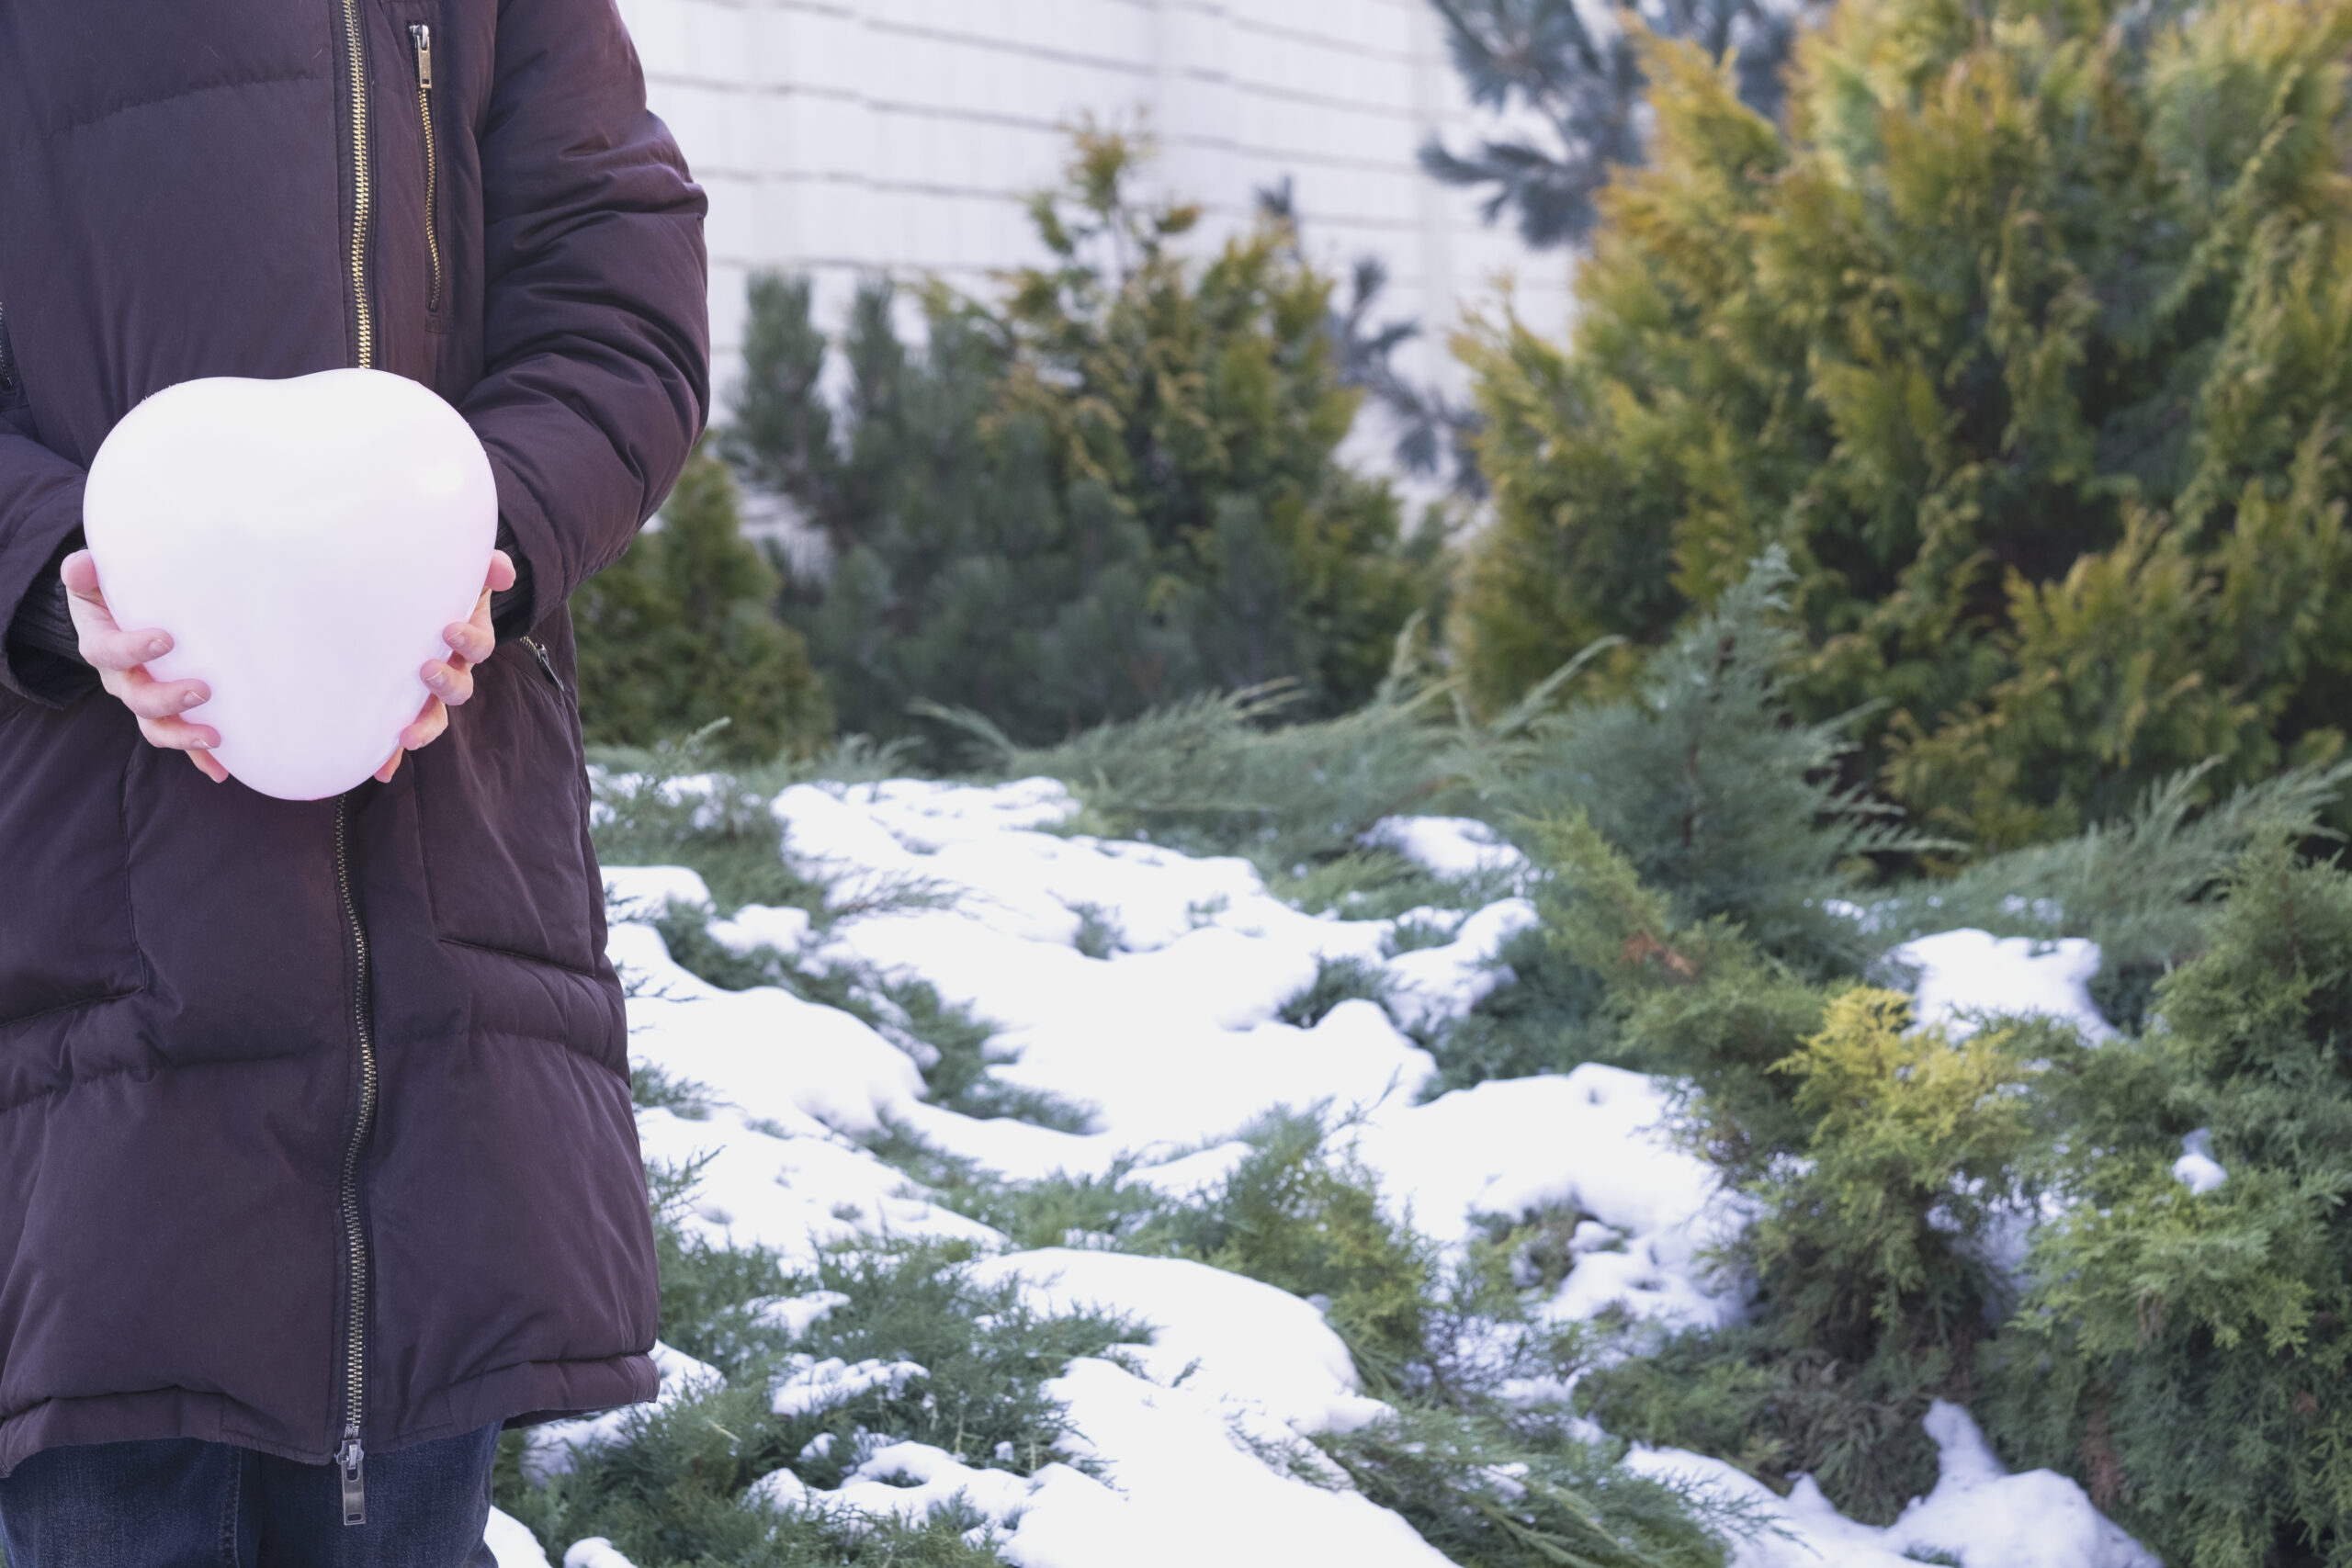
x,y
350,1457
547,665
420,37
7,356
362,194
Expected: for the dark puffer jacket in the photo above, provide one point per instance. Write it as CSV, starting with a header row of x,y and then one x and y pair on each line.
x,y
314,1118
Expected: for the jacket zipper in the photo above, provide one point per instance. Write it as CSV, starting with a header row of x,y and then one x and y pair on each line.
x,y
350,1457
8,358
420,38
363,191
547,665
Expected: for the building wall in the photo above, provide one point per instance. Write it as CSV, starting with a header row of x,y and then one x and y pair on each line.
x,y
842,137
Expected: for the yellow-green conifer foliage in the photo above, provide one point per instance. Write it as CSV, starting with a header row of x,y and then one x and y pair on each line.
x,y
2184,1348
2030,341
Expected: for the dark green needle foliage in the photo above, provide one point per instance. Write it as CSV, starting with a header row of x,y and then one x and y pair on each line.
x,y
1114,486
683,632
1491,1487
1712,790
672,1494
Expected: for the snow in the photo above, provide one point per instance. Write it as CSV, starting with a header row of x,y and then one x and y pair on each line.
x,y
642,892
1266,1357
1595,1139
2197,1169
1966,977
796,1315
552,1449
1451,847
1432,983
594,1553
1978,1513
909,1481
760,925
512,1544
1228,1358
808,1385
1170,1044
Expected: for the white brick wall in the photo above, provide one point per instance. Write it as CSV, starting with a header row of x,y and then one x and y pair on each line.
x,y
848,136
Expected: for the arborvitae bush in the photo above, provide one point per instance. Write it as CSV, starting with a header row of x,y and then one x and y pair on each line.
x,y
683,632
2028,341
1114,486
1874,1252
1912,1161
2184,1353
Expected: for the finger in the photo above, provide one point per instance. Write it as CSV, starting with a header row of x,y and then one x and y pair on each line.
x,y
502,574
151,698
471,641
209,766
452,683
428,726
91,615
392,765
104,648
80,572
178,734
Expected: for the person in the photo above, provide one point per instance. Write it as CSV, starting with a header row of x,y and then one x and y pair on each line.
x,y
318,1164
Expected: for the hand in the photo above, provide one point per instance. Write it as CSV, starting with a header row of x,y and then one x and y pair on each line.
x,y
120,658
451,680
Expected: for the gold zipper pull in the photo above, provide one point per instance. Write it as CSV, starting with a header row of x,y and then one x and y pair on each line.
x,y
420,38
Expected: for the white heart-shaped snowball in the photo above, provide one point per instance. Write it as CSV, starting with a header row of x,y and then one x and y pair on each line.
x,y
304,542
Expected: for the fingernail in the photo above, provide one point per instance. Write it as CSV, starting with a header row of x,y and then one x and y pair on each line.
x,y
158,646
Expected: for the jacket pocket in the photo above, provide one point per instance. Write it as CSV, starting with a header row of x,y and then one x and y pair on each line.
x,y
67,936
502,812
420,40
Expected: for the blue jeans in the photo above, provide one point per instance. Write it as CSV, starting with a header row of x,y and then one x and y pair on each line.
x,y
179,1503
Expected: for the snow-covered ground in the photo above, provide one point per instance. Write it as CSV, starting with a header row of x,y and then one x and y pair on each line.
x,y
1171,1042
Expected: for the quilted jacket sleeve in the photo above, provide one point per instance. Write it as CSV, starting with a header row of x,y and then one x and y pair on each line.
x,y
40,515
596,336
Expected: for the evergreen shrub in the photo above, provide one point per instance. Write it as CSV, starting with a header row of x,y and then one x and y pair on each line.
x,y
683,633
1716,794
1113,487
1297,1213
1699,1002
1496,1487
2027,341
1215,774
2182,1351
1875,1251
670,1494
